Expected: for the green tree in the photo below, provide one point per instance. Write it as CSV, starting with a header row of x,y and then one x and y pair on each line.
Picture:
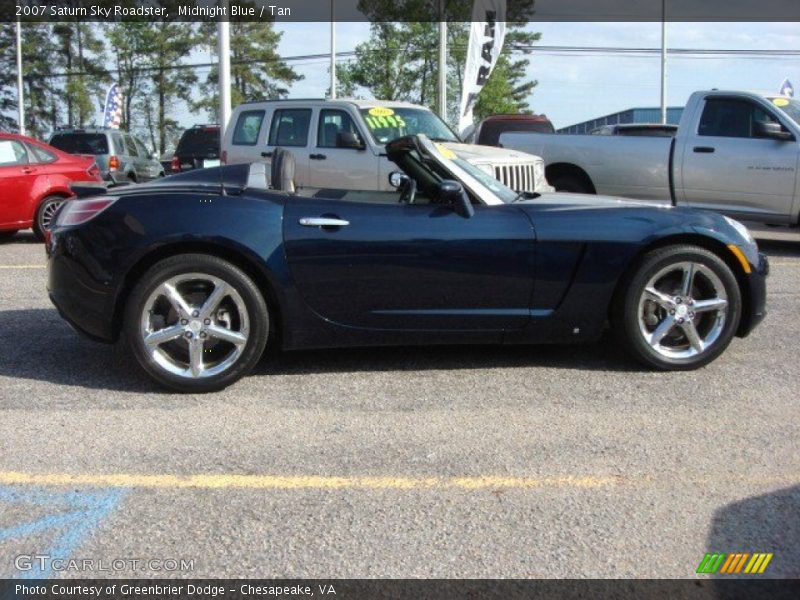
x,y
129,41
400,59
257,70
81,57
149,59
42,93
8,76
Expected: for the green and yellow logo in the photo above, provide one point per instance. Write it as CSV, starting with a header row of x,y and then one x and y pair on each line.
x,y
734,563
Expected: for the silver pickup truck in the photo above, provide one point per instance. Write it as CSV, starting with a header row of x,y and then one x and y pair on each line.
x,y
734,152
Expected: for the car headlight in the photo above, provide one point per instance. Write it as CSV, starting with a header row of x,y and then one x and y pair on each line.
x,y
486,168
741,229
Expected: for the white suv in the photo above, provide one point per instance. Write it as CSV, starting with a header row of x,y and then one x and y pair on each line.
x,y
341,143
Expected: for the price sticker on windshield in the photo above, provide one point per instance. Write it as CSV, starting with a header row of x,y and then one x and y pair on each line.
x,y
780,102
446,152
381,111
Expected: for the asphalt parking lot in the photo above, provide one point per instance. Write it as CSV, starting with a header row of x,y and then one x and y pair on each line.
x,y
411,462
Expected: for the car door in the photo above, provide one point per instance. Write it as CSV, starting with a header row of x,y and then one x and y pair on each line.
x,y
131,161
146,165
380,265
289,128
334,166
17,178
727,168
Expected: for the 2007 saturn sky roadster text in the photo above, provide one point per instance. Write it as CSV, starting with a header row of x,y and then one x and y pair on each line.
x,y
200,271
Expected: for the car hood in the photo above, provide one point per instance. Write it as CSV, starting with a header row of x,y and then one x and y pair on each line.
x,y
489,154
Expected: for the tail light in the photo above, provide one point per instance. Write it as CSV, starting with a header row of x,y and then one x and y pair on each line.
x,y
94,172
77,212
113,163
175,165
223,158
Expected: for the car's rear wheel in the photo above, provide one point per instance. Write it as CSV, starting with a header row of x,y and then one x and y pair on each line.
x,y
680,308
46,213
196,323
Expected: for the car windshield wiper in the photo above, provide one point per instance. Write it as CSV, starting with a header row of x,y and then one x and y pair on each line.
x,y
441,139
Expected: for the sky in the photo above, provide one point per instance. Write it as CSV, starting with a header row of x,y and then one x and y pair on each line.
x,y
577,88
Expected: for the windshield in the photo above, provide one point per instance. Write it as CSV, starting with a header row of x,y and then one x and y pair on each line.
x,y
790,107
386,124
505,194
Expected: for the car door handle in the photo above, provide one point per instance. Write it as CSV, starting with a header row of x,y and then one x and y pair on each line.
x,y
27,170
323,222
266,154
317,156
704,149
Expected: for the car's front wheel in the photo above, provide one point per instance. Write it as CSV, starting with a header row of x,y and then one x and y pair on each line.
x,y
196,323
680,308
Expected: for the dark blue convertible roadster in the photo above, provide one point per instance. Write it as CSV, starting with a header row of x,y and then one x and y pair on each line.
x,y
199,272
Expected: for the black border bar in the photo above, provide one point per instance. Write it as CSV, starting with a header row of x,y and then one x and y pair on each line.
x,y
398,10
398,589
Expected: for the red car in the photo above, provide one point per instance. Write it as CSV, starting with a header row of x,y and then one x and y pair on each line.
x,y
34,182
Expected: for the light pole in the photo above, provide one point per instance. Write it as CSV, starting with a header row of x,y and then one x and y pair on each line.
x,y
20,93
224,51
333,52
442,62
663,62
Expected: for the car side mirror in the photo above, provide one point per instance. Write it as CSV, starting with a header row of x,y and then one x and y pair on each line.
x,y
773,131
397,179
452,193
348,139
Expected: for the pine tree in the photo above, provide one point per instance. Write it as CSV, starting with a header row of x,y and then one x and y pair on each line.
x,y
257,70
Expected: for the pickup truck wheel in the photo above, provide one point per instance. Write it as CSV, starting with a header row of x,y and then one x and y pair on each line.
x,y
45,214
196,323
572,184
679,309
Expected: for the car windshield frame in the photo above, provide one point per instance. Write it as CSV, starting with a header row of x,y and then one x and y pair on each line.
x,y
470,176
793,105
394,119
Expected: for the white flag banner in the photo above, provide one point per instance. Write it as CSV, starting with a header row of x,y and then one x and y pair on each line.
x,y
485,44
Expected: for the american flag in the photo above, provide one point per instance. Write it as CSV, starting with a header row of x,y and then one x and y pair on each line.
x,y
112,117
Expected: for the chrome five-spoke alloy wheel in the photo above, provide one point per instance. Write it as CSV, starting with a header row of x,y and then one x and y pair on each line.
x,y
194,325
683,310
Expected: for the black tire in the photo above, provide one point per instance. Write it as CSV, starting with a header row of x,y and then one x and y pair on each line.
x,y
7,235
45,213
631,325
175,266
572,184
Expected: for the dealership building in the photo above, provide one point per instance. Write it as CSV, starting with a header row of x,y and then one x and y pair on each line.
x,y
632,115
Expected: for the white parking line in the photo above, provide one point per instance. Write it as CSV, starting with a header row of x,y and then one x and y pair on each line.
x,y
10,267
